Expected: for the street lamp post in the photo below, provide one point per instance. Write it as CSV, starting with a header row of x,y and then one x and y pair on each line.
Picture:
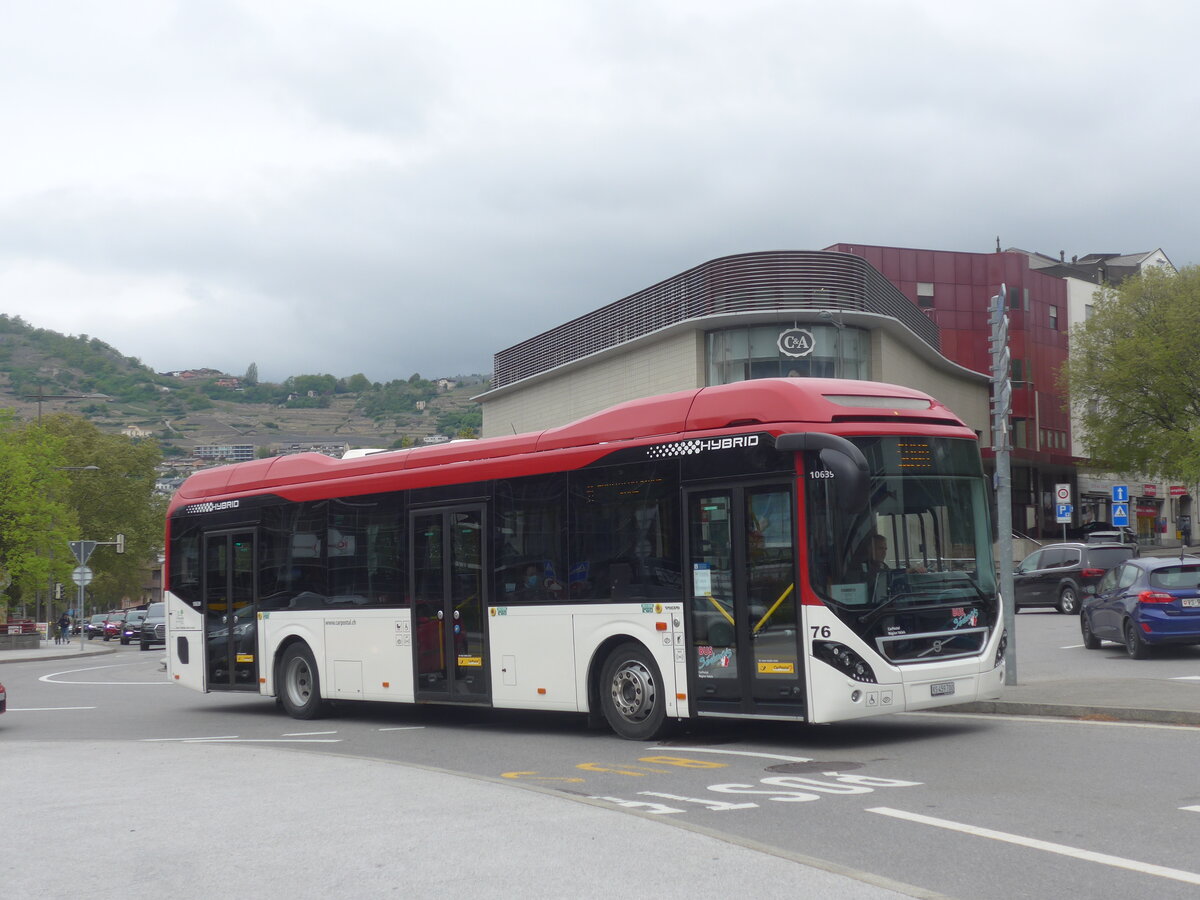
x,y
834,318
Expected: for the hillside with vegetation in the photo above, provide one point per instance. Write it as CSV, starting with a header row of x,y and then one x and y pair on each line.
x,y
43,371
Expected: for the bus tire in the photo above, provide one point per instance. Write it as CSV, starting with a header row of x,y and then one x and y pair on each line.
x,y
631,694
299,684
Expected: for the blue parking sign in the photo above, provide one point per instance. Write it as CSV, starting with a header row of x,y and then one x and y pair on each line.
x,y
1062,513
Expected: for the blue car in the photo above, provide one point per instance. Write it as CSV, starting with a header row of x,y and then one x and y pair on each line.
x,y
1143,603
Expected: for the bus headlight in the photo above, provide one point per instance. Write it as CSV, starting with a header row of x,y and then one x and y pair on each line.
x,y
844,660
1003,646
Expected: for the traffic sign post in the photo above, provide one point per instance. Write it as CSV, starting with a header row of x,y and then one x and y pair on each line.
x,y
82,575
1062,515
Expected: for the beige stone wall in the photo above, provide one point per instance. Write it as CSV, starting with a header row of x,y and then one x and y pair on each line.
x,y
674,363
894,362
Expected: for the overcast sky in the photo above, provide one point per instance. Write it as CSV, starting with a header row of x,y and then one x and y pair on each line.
x,y
395,187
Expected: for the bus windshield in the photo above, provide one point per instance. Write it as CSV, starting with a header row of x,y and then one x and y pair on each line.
x,y
918,556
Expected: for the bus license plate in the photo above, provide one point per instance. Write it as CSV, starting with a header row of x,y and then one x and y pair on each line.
x,y
942,689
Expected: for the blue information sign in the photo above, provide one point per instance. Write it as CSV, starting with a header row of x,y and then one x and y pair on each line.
x,y
1120,513
1062,512
1120,494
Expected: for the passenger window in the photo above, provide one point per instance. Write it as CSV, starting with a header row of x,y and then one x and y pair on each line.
x,y
1126,576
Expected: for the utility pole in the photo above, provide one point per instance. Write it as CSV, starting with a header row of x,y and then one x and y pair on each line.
x,y
1001,407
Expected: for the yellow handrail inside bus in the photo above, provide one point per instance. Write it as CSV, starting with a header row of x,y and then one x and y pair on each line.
x,y
770,612
719,608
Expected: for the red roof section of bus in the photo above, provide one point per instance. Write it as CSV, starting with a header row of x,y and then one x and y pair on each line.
x,y
757,403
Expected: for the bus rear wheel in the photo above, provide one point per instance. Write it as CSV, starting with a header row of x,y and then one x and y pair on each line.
x,y
631,694
299,684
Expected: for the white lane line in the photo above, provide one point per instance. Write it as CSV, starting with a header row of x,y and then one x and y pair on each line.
x,y
1185,678
799,759
308,733
1190,808
46,708
223,737
403,728
52,678
1071,647
234,739
1105,859
263,741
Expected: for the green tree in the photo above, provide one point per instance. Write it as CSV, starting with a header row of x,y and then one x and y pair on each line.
x,y
250,379
115,498
36,517
1134,379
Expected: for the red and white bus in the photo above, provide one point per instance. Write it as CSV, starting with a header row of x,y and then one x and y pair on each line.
x,y
796,549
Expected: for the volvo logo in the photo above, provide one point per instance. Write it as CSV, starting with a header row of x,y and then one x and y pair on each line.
x,y
795,342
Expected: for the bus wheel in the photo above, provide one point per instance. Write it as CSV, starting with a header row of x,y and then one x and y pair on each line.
x,y
631,694
300,688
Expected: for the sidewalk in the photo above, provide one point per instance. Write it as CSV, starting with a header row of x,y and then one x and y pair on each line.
x,y
51,650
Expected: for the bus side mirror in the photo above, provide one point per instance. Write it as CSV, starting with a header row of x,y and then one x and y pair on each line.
x,y
849,481
851,476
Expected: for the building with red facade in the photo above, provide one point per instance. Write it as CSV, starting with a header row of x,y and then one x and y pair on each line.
x,y
908,316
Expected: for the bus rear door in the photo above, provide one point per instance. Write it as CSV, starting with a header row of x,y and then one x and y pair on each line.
x,y
745,644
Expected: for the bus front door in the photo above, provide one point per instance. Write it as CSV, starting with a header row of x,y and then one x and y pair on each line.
x,y
230,621
449,609
745,653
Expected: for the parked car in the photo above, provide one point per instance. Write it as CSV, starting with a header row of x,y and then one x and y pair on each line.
x,y
94,627
154,626
1061,575
1112,536
112,624
131,628
1144,603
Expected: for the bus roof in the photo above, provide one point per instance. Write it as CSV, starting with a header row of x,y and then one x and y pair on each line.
x,y
765,403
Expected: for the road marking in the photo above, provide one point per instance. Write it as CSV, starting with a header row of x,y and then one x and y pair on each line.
x,y
535,776
403,728
234,739
1072,647
308,733
46,708
52,678
798,759
655,809
1190,808
1033,843
223,737
1185,678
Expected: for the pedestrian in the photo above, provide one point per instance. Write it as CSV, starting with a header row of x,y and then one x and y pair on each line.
x,y
64,629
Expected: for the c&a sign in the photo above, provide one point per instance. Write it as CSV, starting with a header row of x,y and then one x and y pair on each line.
x,y
795,342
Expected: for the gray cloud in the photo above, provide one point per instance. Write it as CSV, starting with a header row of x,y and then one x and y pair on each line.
x,y
387,189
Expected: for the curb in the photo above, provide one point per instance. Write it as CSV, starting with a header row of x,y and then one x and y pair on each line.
x,y
1072,711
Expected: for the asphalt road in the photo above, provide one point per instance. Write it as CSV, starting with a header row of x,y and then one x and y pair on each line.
x,y
929,805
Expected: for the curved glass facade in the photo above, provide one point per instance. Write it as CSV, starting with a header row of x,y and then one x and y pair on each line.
x,y
809,350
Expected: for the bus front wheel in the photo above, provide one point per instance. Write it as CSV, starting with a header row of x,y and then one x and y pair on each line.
x,y
300,686
631,694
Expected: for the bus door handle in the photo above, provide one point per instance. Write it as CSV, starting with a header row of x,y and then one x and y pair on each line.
x,y
441,615
457,615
